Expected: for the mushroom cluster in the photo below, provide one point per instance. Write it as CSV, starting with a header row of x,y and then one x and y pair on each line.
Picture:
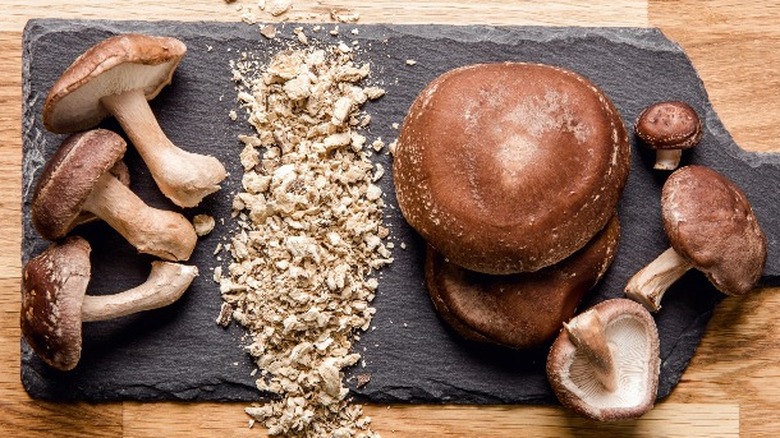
x,y
604,363
86,179
512,172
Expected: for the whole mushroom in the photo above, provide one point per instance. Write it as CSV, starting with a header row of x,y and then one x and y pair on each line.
x,y
118,76
54,300
711,227
510,167
605,362
77,180
668,127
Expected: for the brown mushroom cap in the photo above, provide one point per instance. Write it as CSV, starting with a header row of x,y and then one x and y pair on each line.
x,y
709,222
113,66
53,288
669,125
520,310
632,337
507,168
69,178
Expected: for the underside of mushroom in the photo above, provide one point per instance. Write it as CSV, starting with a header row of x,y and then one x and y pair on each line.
x,y
605,362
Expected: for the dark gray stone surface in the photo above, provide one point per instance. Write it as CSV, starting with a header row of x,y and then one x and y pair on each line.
x,y
180,353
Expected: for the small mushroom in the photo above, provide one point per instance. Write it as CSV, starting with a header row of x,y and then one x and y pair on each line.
x,y
117,76
668,128
605,362
76,179
54,300
711,227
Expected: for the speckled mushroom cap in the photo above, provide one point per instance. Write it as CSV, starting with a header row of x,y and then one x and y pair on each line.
x,y
53,288
632,336
709,222
519,310
115,65
507,168
69,177
669,125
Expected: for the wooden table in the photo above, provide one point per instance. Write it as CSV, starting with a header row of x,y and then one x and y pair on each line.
x,y
733,383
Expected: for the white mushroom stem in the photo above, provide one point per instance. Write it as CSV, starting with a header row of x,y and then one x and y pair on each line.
x,y
184,177
162,233
166,284
667,159
649,285
586,331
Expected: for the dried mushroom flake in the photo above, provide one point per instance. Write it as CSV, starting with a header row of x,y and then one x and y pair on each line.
x,y
310,236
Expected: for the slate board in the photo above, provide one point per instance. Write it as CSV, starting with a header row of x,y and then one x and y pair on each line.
x,y
179,353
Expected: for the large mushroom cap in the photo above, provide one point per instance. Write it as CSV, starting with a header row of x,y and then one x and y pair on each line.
x,y
53,288
70,176
632,338
520,310
113,66
709,222
507,168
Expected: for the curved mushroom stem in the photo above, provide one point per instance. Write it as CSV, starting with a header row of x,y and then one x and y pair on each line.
x,y
667,159
166,283
184,177
162,233
586,331
649,284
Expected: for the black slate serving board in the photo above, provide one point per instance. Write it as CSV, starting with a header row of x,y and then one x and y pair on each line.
x,y
179,353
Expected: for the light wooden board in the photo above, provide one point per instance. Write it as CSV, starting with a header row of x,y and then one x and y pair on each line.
x,y
732,387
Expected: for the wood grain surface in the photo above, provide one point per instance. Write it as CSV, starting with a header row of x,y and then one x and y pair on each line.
x,y
732,386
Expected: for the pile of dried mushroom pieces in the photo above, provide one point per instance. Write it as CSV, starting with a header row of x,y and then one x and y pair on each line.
x,y
86,179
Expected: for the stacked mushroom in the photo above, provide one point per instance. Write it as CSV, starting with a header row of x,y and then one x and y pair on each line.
x,y
86,179
512,173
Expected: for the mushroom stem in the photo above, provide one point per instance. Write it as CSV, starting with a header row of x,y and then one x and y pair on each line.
x,y
162,233
184,177
649,284
166,283
667,159
587,332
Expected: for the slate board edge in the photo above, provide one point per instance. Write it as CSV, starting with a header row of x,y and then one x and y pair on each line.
x,y
452,32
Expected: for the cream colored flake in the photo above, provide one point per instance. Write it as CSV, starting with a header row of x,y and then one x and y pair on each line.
x,y
203,223
341,110
268,31
377,144
278,7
